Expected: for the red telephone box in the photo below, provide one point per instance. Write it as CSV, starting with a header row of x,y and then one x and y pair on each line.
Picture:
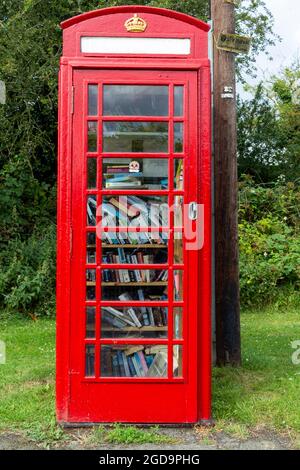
x,y
134,260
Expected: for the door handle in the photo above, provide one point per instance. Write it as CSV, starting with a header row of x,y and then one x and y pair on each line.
x,y
193,210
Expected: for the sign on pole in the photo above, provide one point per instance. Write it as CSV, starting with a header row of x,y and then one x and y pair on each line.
x,y
234,43
236,3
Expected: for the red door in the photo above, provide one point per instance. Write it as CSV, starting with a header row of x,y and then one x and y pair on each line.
x,y
134,318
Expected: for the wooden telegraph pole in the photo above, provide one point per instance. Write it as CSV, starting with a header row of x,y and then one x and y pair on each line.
x,y
226,186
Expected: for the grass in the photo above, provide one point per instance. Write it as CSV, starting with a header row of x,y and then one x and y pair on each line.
x,y
119,434
264,392
27,378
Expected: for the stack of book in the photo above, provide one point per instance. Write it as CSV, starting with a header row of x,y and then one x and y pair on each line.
x,y
128,275
134,211
134,361
135,317
118,176
134,238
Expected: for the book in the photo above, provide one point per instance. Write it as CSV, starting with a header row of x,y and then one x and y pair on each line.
x,y
159,366
143,309
119,315
126,365
123,185
132,349
115,365
149,358
138,364
121,204
113,321
133,372
121,364
138,369
143,361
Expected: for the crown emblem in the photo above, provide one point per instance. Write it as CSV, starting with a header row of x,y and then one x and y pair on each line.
x,y
135,24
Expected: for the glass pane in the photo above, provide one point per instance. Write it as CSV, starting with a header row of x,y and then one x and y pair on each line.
x,y
91,210
177,323
135,100
91,248
178,137
135,238
90,322
150,254
90,360
150,137
178,285
177,361
133,322
178,211
122,285
93,100
92,173
135,211
134,361
92,136
178,173
126,173
91,284
134,276
178,101
178,248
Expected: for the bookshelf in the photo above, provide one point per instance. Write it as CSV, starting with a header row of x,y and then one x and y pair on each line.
x,y
135,328
134,284
132,246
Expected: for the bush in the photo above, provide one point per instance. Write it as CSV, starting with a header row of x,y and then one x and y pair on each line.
x,y
27,277
269,241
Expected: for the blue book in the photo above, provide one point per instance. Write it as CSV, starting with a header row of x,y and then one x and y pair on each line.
x,y
115,365
133,372
149,359
122,256
122,176
121,364
126,365
139,364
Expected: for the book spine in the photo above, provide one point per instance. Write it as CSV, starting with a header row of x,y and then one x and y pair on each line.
x,y
143,362
134,318
132,369
136,366
115,365
121,364
139,365
126,366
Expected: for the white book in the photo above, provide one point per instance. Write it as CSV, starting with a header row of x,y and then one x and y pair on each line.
x,y
118,314
132,314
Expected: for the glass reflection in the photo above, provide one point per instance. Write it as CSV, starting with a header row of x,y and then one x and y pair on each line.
x,y
135,100
149,137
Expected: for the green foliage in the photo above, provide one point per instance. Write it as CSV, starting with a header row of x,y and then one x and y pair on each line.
x,y
254,19
269,129
27,276
269,242
261,142
30,48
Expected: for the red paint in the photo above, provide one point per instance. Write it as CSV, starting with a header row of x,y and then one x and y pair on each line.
x,y
131,400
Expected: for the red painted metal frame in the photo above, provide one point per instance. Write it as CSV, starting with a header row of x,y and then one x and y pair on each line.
x,y
78,407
